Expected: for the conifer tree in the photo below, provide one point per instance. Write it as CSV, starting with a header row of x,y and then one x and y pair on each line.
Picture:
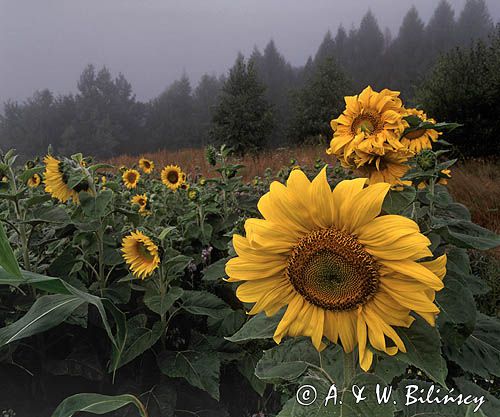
x,y
243,118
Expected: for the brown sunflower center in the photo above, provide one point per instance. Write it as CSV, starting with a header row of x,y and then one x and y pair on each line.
x,y
146,164
131,177
173,177
415,134
366,122
331,270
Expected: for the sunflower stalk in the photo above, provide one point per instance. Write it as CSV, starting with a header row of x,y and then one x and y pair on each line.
x,y
20,215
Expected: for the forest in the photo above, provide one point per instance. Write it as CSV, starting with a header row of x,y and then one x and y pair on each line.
x,y
273,103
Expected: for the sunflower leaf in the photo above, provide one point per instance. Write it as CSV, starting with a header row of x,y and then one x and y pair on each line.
x,y
257,327
480,353
200,369
97,404
423,346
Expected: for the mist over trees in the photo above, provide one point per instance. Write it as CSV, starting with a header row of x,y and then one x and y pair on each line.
x,y
264,99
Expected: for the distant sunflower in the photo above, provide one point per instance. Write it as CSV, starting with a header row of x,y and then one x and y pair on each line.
x,y
419,139
130,178
146,165
142,202
173,177
140,254
371,123
56,181
34,181
342,270
390,167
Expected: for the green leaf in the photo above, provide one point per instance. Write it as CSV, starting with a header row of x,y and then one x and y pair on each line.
x,y
160,305
138,340
456,320
8,260
95,206
396,201
388,368
246,366
216,271
97,404
46,312
200,369
423,346
257,327
465,234
204,304
491,405
58,286
27,174
480,353
287,361
55,214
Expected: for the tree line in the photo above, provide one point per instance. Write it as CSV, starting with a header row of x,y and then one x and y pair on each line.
x,y
263,100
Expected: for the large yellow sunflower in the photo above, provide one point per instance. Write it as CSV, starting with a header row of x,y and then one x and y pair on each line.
x,y
173,177
34,181
130,178
141,254
146,165
342,270
56,181
389,167
371,123
420,139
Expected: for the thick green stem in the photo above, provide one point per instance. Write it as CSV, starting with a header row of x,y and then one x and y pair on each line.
x,y
349,368
22,227
100,242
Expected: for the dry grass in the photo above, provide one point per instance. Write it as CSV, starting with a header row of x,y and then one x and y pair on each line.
x,y
475,183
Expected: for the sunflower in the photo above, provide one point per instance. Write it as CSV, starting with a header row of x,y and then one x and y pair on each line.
x,y
130,178
34,181
389,167
146,165
342,270
140,254
56,181
173,177
142,202
419,139
371,123
443,178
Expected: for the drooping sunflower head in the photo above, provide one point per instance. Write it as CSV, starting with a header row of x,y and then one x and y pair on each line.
x,y
140,254
143,204
146,165
173,177
34,181
343,271
389,168
131,178
57,175
419,139
371,123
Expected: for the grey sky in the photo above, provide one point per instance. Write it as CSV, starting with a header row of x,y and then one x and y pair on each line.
x,y
47,43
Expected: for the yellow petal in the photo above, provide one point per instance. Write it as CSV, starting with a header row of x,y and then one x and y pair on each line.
x,y
320,197
344,191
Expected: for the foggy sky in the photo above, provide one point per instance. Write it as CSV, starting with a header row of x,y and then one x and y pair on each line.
x,y
47,43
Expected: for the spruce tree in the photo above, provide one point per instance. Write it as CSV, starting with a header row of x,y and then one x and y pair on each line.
x,y
319,101
243,118
440,32
474,22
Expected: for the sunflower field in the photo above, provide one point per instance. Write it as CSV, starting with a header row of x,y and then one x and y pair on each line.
x,y
149,291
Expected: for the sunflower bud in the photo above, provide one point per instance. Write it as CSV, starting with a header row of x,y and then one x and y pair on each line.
x,y
193,194
29,165
426,159
211,155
